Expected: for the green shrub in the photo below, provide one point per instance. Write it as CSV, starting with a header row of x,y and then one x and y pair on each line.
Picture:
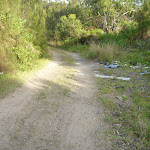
x,y
16,49
98,32
69,27
128,30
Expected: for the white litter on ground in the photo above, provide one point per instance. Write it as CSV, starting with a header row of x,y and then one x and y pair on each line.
x,y
112,66
1,72
144,72
135,67
111,77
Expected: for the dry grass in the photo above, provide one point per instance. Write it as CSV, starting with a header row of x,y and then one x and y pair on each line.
x,y
3,62
105,52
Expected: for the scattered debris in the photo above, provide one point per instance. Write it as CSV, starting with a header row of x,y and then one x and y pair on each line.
x,y
120,87
119,97
1,72
118,62
135,67
97,113
112,77
114,66
81,74
144,72
133,63
104,63
146,67
125,64
123,78
96,71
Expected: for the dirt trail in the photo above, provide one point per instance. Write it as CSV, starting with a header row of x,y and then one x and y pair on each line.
x,y
55,110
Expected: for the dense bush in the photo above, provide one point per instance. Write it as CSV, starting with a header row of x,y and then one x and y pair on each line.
x,y
68,28
22,41
16,44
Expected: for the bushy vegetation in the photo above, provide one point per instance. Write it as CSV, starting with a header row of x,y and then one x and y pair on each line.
x,y
120,30
22,37
105,30
68,28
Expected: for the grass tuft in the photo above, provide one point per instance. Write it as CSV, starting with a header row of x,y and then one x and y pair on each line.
x,y
104,52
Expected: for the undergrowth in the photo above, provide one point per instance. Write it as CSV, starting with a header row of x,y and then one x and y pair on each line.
x,y
127,108
105,52
109,52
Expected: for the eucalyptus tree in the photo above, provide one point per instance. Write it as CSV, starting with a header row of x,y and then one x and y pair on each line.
x,y
111,12
143,18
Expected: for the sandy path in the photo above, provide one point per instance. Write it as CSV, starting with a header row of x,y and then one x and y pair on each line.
x,y
55,110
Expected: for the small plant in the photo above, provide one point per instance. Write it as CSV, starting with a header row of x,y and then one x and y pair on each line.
x,y
66,92
41,95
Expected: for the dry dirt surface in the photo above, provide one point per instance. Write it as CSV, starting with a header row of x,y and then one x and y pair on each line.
x,y
57,109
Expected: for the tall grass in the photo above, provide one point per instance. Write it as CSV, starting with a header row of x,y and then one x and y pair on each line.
x,y
105,52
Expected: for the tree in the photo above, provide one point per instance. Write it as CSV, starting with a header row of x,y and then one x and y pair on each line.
x,y
143,18
68,27
111,12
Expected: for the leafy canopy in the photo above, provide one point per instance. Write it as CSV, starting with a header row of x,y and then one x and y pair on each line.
x,y
68,27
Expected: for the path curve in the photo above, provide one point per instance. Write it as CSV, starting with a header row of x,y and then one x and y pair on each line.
x,y
55,110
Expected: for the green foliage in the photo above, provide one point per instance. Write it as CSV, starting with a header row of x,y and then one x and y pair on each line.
x,y
17,25
128,31
69,27
68,43
138,57
25,55
109,13
98,32
19,37
83,49
22,51
143,18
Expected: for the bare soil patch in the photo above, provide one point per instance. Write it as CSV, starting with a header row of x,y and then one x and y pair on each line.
x,y
55,110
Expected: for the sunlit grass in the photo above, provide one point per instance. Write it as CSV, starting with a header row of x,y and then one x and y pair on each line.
x,y
9,82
